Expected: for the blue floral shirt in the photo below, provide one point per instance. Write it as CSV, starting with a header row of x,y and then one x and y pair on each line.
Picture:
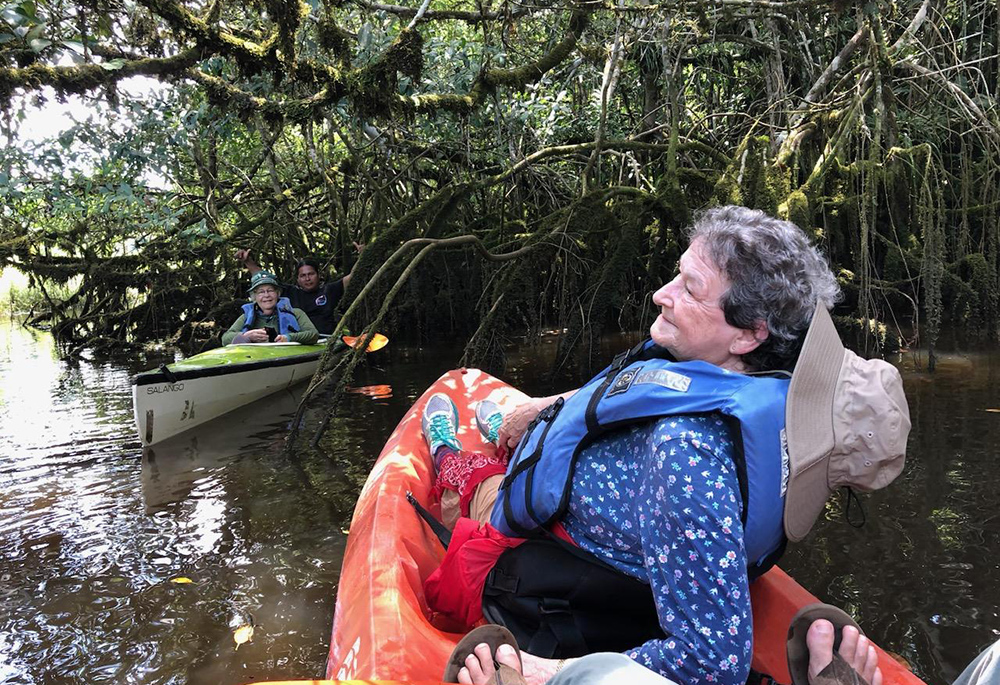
x,y
660,502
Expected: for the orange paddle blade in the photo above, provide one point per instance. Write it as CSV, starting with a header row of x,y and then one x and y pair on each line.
x,y
378,341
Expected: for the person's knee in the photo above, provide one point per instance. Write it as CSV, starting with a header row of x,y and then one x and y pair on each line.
x,y
985,668
607,668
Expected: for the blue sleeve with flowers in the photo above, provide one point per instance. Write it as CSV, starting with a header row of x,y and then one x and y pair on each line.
x,y
661,503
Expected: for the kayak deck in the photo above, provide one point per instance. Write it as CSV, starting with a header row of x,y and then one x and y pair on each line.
x,y
232,359
383,628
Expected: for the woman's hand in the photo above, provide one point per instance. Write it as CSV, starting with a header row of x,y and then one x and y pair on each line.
x,y
281,338
256,335
515,423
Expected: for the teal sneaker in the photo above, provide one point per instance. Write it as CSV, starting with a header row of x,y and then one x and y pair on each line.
x,y
489,419
440,423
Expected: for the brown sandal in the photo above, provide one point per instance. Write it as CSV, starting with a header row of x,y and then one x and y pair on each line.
x,y
494,636
838,672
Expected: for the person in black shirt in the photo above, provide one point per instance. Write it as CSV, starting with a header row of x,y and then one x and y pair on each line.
x,y
317,298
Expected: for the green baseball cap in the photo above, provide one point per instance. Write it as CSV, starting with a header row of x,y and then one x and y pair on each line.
x,y
263,278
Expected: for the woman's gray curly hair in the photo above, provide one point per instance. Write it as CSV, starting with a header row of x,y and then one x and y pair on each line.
x,y
777,276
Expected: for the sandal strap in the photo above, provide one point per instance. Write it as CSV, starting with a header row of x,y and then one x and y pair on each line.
x,y
838,672
505,675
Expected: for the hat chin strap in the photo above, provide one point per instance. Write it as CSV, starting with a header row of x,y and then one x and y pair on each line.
x,y
852,497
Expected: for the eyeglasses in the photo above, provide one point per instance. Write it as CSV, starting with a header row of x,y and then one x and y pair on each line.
x,y
265,291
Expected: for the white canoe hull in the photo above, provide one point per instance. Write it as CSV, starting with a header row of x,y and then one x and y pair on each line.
x,y
163,410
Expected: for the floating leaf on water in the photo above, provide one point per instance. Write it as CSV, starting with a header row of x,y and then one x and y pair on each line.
x,y
899,659
181,580
993,411
242,635
345,531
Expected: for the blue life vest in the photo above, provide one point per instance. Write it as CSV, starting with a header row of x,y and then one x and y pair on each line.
x,y
287,323
645,384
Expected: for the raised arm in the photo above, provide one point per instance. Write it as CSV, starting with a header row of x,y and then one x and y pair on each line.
x,y
346,280
243,257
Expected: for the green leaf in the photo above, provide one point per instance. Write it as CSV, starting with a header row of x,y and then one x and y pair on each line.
x,y
36,31
28,9
113,65
39,44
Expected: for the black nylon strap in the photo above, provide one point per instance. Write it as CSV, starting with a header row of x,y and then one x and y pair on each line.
x,y
508,514
543,643
851,497
557,619
438,528
591,414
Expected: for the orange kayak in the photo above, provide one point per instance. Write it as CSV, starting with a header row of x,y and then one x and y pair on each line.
x,y
383,628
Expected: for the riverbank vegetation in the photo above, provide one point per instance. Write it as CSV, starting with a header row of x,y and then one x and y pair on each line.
x,y
511,167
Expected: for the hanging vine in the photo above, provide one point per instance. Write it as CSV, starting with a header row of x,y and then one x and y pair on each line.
x,y
930,219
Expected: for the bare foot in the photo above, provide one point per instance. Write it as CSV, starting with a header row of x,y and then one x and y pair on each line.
x,y
479,665
855,649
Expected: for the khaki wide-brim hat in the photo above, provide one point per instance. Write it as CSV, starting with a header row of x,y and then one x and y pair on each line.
x,y
846,421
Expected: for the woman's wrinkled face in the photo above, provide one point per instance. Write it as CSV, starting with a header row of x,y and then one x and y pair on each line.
x,y
691,323
266,297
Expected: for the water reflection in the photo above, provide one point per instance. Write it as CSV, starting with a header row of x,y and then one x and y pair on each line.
x,y
92,531
171,468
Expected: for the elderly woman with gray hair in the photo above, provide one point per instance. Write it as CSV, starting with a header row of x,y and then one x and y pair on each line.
x,y
653,494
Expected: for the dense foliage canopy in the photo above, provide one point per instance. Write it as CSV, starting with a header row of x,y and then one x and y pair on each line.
x,y
528,165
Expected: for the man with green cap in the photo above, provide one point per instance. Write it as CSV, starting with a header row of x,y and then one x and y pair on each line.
x,y
269,317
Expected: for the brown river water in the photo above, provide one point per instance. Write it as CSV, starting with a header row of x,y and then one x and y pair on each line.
x,y
93,530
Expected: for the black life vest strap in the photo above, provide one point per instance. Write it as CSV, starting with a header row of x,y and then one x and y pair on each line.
x,y
546,414
621,360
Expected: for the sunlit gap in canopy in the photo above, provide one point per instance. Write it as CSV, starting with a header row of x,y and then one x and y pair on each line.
x,y
41,119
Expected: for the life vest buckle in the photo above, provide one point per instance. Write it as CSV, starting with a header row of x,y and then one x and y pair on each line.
x,y
550,411
619,362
